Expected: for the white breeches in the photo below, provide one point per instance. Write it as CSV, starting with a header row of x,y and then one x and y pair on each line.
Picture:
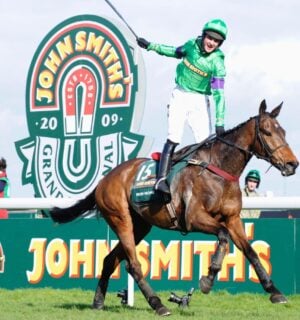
x,y
194,108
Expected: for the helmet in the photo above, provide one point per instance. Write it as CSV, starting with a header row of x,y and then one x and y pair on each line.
x,y
216,28
253,175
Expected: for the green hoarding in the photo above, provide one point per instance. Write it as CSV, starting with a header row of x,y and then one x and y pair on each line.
x,y
38,253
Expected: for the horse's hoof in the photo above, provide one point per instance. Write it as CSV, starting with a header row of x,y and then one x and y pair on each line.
x,y
205,284
278,298
98,305
163,311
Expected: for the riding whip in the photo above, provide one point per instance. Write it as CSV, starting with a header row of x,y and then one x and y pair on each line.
x,y
121,17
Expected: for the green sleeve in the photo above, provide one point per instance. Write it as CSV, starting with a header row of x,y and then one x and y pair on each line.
x,y
163,50
219,98
218,93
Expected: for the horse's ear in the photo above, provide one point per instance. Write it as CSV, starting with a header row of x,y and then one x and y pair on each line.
x,y
263,107
276,111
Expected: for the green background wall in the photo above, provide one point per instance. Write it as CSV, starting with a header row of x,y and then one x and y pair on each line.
x,y
282,235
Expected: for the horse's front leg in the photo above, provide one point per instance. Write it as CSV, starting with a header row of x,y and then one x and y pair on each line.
x,y
265,280
207,282
239,238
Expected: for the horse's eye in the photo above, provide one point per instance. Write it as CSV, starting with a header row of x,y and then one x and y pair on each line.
x,y
266,132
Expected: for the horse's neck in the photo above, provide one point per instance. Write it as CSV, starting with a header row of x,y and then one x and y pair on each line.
x,y
234,158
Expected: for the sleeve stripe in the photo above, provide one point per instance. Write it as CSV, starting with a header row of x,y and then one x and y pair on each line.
x,y
217,83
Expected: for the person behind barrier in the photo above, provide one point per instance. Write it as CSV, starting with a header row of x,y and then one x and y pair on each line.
x,y
200,74
252,182
4,187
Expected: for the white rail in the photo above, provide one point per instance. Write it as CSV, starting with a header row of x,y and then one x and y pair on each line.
x,y
47,203
269,203
35,203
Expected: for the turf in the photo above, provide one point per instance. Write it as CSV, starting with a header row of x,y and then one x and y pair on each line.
x,y
49,304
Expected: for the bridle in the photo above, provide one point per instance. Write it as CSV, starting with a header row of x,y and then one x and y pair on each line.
x,y
269,152
249,153
258,137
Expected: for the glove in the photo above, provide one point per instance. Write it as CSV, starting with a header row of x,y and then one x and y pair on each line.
x,y
219,130
143,43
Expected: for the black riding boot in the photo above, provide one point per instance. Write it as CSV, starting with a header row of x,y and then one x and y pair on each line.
x,y
164,167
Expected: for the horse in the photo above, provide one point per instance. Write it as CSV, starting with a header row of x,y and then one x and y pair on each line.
x,y
205,196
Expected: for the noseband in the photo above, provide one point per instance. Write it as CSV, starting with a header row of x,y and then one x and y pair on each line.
x,y
258,137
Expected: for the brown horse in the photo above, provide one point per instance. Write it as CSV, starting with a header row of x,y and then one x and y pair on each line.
x,y
206,197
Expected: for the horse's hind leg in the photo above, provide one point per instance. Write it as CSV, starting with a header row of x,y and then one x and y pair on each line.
x,y
126,250
240,240
206,282
110,263
151,297
134,267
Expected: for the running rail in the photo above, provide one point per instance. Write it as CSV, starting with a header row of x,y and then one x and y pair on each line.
x,y
263,203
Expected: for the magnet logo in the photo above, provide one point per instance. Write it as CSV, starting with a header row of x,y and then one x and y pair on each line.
x,y
83,87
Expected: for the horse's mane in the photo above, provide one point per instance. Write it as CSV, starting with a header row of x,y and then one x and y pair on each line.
x,y
190,149
232,130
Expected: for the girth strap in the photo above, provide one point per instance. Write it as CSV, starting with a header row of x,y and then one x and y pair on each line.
x,y
172,214
214,169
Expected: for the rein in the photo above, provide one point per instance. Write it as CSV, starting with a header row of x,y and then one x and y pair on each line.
x,y
258,137
231,144
269,152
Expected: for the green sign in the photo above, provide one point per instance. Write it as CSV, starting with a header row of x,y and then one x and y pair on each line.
x,y
37,253
84,95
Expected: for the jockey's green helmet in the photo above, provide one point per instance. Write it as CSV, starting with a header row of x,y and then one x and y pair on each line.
x,y
253,175
216,28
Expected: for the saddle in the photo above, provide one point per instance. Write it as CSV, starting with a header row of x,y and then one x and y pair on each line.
x,y
142,191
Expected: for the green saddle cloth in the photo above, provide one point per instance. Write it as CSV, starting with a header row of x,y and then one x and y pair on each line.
x,y
143,190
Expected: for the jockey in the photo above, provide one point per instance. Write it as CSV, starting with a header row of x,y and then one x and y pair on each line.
x,y
199,74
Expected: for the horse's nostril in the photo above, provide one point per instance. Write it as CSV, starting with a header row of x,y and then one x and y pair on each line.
x,y
293,164
290,167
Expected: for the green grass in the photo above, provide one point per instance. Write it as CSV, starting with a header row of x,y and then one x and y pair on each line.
x,y
75,304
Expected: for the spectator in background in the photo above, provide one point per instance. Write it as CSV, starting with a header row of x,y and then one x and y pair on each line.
x,y
252,182
4,187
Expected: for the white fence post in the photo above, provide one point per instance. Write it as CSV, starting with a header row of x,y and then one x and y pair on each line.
x,y
130,291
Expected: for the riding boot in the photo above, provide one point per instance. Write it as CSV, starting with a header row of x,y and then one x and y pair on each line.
x,y
164,167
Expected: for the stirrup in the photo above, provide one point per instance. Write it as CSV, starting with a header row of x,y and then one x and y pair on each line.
x,y
162,186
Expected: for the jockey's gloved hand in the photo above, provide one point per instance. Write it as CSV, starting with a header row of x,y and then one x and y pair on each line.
x,y
143,43
219,130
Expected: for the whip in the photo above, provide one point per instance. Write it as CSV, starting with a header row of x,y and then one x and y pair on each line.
x,y
121,17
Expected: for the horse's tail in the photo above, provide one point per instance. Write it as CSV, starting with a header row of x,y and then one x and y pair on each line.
x,y
64,215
